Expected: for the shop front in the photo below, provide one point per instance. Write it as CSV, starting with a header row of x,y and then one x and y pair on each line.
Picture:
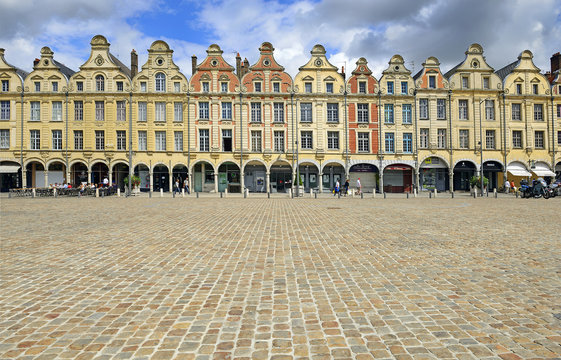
x,y
281,177
204,177
100,171
143,172
493,170
433,174
517,172
229,178
10,177
161,177
254,177
541,169
463,172
332,172
368,174
309,176
120,172
398,178
558,171
79,174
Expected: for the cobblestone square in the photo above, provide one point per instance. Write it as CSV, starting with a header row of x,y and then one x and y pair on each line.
x,y
257,278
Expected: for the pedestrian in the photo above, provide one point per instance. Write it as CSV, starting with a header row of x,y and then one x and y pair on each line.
x,y
336,191
186,185
507,186
358,187
346,187
176,187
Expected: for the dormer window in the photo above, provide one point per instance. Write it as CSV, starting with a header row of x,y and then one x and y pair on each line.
x,y
160,82
100,83
519,89
535,88
119,86
390,87
329,88
485,82
5,85
308,87
276,87
224,87
37,86
79,86
465,82
257,87
143,86
404,87
206,86
177,87
55,86
362,87
432,82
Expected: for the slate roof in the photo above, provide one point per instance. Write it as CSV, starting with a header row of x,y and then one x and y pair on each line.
x,y
122,66
418,74
452,71
503,73
64,69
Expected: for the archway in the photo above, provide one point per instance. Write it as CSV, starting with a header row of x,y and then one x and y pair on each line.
x,y
433,174
35,174
463,172
309,175
493,171
517,172
100,171
332,171
369,176
281,176
10,175
254,177
56,173
78,173
558,171
229,178
180,174
541,169
161,177
120,172
398,178
204,177
143,172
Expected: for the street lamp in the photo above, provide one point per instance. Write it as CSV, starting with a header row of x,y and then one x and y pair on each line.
x,y
293,89
66,90
241,90
481,144
22,90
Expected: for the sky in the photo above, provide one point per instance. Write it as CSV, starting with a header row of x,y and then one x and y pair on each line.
x,y
348,29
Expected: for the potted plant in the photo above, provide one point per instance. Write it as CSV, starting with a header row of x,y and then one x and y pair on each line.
x,y
135,182
300,184
475,182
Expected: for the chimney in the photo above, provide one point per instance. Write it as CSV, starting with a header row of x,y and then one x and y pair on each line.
x,y
239,65
134,63
343,72
555,62
35,62
246,66
193,65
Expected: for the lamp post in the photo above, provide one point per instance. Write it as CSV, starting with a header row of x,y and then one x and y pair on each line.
x,y
66,90
345,92
21,90
130,145
293,89
481,145
241,90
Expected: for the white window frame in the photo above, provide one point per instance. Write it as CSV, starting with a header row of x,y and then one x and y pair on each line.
x,y
35,111
423,109
390,87
333,140
389,142
256,140
489,109
441,109
178,140
463,109
332,112
204,140
516,110
441,138
388,114
178,111
255,112
142,111
307,140
56,136
35,139
362,113
100,83
5,110
464,139
4,138
329,87
99,110
278,112
121,111
539,140
78,110
160,111
538,112
224,87
406,114
160,140
362,87
142,140
306,112
424,138
517,140
308,87
363,142
57,111
407,143
78,140
99,139
278,139
490,143
226,110
121,140
160,82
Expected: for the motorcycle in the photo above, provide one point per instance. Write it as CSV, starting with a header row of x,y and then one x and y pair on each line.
x,y
525,190
538,190
552,189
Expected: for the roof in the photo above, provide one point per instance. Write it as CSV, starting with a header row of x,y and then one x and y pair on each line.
x,y
64,69
418,74
503,73
122,66
452,70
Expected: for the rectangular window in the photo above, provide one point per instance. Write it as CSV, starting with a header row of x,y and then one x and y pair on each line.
x,y
276,87
389,143
519,89
465,82
485,83
143,86
441,109
404,87
57,111
362,113
390,87
78,140
490,139
177,87
5,110
516,112
407,143
204,139
227,111
463,109
35,111
538,112
99,110
535,88
57,139
121,140
308,88
441,138
160,109
224,87
4,139
424,108
306,140
329,88
406,114
559,109
489,109
306,112
362,87
255,112
363,140
119,86
55,86
142,140
257,87
256,141
278,112
80,86
142,111
227,140
121,111
100,140
559,138
206,86
279,141
424,138
78,110
332,112
178,140
178,111
160,140
539,140
333,140
388,114
5,85
517,139
432,82
464,139
37,86
35,139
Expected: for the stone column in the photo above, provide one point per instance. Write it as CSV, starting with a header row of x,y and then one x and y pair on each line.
x,y
23,178
307,183
268,182
320,183
151,180
110,175
418,179
89,176
381,181
171,180
46,178
216,182
451,179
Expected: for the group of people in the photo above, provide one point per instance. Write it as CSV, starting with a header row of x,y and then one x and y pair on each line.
x,y
337,188
177,185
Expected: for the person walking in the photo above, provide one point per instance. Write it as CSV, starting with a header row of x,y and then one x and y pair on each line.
x,y
507,186
346,187
336,191
358,186
186,185
176,187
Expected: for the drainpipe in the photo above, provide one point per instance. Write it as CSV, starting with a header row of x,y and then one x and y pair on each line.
x,y
417,166
241,146
292,121
21,144
346,137
552,145
380,156
451,169
66,118
504,136
189,142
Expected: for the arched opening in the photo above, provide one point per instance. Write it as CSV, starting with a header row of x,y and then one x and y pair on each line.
x,y
463,172
143,172
100,172
204,177
35,175
56,173
10,175
229,178
161,177
541,169
398,178
254,177
180,174
433,174
79,173
558,171
120,172
160,82
281,177
309,175
368,174
493,171
100,83
517,172
332,172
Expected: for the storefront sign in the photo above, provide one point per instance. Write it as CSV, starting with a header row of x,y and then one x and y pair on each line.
x,y
363,168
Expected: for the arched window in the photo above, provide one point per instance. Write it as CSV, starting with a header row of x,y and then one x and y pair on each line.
x,y
100,83
160,82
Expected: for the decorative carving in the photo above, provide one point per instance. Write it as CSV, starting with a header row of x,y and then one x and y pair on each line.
x,y
99,60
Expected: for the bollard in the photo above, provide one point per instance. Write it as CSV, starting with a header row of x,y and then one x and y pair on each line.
x,y
197,194
290,193
161,192
33,192
311,193
362,195
407,195
150,193
10,195
452,194
316,195
173,194
221,194
495,193
54,192
268,195
183,192
516,193
118,192
384,195
414,192
374,194
96,192
246,193
430,194
435,193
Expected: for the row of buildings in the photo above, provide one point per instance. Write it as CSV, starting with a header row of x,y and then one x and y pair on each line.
x,y
429,130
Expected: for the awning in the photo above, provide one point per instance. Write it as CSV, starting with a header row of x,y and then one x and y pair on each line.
x,y
542,170
9,169
517,170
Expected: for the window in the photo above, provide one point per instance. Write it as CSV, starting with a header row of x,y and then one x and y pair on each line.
x,y
121,111
485,82
276,87
121,140
404,87
464,139
559,138
160,82
535,88
177,111
142,140
407,143
516,112
363,141
160,140
99,110
55,86
424,108
306,140
432,82
306,112
178,140
35,111
143,86
519,89
257,86
308,87
333,140
390,87
463,109
203,140
100,83
489,109
465,82
406,113
538,112
332,112
278,112
37,86
177,86
424,138
100,140
5,85
224,87
559,110
57,111
517,139
388,113
78,140
539,140
441,138
362,113
226,140
78,110
4,110
389,143
279,141
362,87
119,86
255,112
142,111
329,88
4,139
35,139
256,141
490,139
227,110
441,109
160,111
